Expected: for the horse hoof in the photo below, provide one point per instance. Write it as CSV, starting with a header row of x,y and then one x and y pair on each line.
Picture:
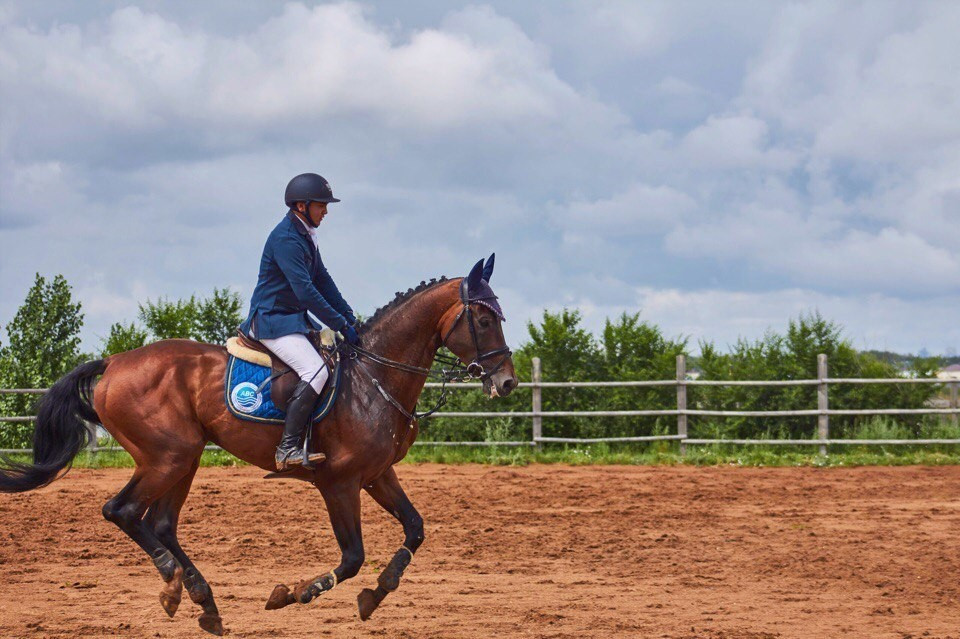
x,y
172,592
279,598
212,624
367,602
170,602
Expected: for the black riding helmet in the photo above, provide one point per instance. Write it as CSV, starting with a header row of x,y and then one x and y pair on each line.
x,y
308,187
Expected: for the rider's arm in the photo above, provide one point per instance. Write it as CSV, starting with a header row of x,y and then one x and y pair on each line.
x,y
291,258
330,292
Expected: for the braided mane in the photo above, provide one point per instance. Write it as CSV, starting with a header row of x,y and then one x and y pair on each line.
x,y
399,299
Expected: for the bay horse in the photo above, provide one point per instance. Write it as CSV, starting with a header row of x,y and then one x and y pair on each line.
x,y
163,402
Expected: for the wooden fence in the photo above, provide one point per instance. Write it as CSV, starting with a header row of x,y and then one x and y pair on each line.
x,y
536,414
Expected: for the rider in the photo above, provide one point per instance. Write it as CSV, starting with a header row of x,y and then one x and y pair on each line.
x,y
292,281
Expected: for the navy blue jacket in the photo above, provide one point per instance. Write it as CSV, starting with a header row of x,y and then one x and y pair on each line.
x,y
293,281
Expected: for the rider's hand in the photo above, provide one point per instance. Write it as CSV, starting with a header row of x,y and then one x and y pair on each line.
x,y
350,334
351,319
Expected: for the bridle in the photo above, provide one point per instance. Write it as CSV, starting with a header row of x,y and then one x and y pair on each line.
x,y
457,371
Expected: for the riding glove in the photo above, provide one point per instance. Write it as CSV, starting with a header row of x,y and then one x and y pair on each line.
x,y
350,334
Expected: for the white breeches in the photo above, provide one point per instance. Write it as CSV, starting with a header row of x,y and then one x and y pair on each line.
x,y
298,353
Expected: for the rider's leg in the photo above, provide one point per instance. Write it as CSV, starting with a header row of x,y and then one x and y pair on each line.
x,y
299,410
300,355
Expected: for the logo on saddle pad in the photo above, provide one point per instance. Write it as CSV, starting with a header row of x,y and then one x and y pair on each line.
x,y
245,397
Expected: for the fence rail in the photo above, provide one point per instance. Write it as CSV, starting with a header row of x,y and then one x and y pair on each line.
x,y
536,415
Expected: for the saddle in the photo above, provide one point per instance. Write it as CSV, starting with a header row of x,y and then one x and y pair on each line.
x,y
283,378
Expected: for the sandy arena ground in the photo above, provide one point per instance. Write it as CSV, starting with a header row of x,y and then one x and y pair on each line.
x,y
542,551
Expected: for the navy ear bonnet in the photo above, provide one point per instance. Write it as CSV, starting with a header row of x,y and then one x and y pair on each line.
x,y
483,294
476,287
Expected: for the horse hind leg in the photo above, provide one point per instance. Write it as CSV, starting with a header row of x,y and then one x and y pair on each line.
x,y
162,518
387,492
127,510
158,519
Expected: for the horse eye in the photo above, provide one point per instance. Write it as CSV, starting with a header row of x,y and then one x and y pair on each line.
x,y
485,323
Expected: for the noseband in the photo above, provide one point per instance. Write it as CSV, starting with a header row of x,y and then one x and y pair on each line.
x,y
475,368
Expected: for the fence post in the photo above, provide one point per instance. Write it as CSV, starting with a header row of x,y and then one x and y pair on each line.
x,y
682,400
954,403
537,401
823,402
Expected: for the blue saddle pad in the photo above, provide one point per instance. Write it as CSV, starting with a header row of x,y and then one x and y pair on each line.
x,y
246,400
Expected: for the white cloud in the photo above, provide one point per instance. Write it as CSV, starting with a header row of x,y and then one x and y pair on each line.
x,y
738,141
743,150
868,82
672,86
140,70
638,28
722,315
642,209
870,321
820,252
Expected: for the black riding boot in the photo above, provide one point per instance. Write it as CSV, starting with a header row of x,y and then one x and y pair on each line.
x,y
299,411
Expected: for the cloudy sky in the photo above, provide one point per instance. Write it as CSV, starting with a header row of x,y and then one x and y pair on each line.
x,y
719,167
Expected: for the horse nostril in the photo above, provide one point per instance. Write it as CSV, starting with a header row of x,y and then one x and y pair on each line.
x,y
509,384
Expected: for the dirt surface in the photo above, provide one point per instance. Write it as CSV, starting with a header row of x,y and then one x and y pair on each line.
x,y
541,551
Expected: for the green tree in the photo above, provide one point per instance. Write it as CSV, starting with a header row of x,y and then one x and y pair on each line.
x,y
212,319
43,345
123,337
629,349
793,356
637,350
567,351
7,407
218,316
168,320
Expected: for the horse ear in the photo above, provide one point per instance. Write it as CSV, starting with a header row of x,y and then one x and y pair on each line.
x,y
488,268
473,280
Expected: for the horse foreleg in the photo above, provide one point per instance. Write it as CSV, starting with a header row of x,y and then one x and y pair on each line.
x,y
343,506
387,492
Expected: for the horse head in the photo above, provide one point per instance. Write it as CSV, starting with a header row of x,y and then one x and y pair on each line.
x,y
475,335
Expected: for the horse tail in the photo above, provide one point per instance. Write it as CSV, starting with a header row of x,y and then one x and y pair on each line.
x,y
60,431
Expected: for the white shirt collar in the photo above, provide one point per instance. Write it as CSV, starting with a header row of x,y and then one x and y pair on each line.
x,y
312,231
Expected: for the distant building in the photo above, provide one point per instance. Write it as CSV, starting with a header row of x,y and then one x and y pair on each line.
x,y
950,372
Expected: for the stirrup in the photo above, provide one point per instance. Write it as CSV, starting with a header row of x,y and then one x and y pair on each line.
x,y
312,457
308,457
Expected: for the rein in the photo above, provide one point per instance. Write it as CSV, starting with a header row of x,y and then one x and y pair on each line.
x,y
457,371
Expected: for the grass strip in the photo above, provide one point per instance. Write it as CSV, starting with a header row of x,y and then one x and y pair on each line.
x,y
660,453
